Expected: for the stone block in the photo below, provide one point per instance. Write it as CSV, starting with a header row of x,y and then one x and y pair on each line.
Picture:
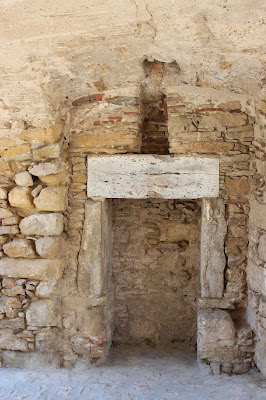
x,y
19,248
42,224
9,230
4,213
46,135
43,313
10,221
9,341
237,187
45,289
3,194
95,253
50,247
216,120
34,360
216,336
200,147
172,231
257,215
84,347
92,322
45,270
61,178
256,277
20,197
51,151
262,247
23,179
214,229
48,168
49,341
216,303
124,141
52,199
12,323
18,153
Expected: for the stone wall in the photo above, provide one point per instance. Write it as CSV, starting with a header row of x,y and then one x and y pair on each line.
x,y
34,188
156,271
257,241
43,235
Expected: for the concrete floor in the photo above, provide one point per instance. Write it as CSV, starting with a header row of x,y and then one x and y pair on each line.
x,y
145,375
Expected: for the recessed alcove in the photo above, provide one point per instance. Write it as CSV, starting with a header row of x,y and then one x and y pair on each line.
x,y
156,271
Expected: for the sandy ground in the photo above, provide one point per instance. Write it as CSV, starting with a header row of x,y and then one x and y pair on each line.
x,y
146,374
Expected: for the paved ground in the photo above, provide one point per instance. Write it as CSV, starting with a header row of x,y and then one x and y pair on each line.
x,y
146,375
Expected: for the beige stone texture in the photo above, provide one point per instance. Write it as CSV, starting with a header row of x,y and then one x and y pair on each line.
x,y
20,197
51,151
52,199
55,179
237,187
262,247
95,254
256,277
3,194
12,323
33,359
257,216
84,347
48,168
10,221
9,230
23,179
48,135
4,213
9,341
50,247
216,336
216,120
213,261
106,142
200,147
49,341
19,248
43,313
18,153
45,270
42,224
45,289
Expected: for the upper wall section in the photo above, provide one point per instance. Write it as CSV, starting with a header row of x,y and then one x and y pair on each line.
x,y
54,52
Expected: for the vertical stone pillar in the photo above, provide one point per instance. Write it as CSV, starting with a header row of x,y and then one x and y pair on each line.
x,y
213,231
93,281
95,253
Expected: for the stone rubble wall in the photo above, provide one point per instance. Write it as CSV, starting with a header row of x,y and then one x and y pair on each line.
x,y
222,129
35,178
256,271
34,188
156,271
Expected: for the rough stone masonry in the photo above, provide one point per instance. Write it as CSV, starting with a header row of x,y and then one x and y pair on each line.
x,y
135,77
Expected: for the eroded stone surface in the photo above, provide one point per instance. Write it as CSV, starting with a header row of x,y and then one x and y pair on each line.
x,y
42,224
20,197
50,247
19,248
43,313
52,199
23,179
46,270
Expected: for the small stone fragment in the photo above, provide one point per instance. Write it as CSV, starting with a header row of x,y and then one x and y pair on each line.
x,y
20,197
51,151
8,283
19,248
42,224
10,221
43,169
9,230
55,179
23,179
3,194
46,135
36,191
18,153
4,213
50,247
45,289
